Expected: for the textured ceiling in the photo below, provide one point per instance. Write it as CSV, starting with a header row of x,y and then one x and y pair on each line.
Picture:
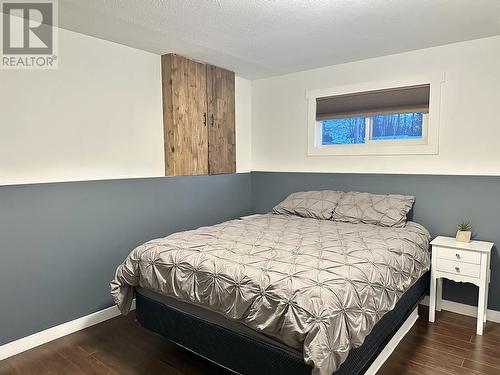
x,y
261,38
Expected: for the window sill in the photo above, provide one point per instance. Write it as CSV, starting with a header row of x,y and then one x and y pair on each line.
x,y
363,149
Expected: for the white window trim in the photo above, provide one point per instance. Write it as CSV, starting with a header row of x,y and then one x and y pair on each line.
x,y
428,145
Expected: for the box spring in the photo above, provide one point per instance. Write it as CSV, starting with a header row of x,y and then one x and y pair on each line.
x,y
238,348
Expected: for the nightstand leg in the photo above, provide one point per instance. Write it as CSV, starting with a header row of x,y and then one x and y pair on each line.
x,y
481,309
488,279
483,290
439,294
486,301
432,300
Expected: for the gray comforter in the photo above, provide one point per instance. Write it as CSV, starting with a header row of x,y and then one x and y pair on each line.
x,y
316,285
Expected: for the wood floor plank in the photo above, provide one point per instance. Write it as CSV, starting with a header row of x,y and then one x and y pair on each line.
x,y
471,352
7,369
84,361
481,367
123,358
400,366
29,362
449,317
492,329
486,340
475,352
435,359
57,364
446,330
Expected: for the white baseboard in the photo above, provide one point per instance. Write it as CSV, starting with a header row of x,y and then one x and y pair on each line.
x,y
39,338
460,308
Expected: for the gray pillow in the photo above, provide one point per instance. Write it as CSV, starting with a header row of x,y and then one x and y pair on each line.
x,y
384,210
313,204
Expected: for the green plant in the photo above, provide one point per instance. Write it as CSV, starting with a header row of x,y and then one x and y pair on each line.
x,y
464,226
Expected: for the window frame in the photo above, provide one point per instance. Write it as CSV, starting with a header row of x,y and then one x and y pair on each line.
x,y
428,145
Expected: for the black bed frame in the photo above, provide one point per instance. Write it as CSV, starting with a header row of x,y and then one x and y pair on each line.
x,y
246,355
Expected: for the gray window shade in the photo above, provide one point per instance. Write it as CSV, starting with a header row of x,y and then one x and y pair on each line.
x,y
370,103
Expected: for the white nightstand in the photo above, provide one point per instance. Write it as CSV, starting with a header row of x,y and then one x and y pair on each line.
x,y
462,262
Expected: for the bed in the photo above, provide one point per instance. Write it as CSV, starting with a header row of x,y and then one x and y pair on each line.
x,y
296,291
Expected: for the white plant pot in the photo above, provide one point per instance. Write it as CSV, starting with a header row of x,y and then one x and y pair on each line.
x,y
463,236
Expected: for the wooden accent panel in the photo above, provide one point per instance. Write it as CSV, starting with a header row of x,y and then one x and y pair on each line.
x,y
184,116
221,118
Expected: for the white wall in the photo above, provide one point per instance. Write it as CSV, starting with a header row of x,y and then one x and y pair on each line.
x,y
469,128
99,116
243,112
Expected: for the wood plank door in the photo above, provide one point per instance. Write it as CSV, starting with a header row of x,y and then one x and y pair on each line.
x,y
221,119
184,116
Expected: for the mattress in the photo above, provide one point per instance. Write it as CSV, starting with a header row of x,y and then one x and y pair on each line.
x,y
318,286
243,350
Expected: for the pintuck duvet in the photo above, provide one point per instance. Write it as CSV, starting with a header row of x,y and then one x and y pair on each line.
x,y
317,285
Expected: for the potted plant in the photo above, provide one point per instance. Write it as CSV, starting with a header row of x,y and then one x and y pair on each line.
x,y
464,232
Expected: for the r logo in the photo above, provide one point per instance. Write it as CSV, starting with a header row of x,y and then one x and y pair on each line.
x,y
27,28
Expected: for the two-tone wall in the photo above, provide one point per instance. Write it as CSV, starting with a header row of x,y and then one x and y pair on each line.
x,y
469,130
97,117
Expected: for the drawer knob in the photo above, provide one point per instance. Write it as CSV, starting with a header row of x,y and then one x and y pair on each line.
x,y
457,269
458,256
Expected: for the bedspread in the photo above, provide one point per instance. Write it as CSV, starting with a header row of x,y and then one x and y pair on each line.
x,y
317,285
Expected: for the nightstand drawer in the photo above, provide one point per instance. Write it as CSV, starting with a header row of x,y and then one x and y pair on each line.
x,y
458,255
458,268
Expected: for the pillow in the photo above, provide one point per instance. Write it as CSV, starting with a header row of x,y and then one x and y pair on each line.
x,y
313,204
384,210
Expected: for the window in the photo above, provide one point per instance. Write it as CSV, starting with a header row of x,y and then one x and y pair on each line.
x,y
362,130
371,121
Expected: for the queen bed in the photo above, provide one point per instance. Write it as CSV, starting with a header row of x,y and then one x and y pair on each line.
x,y
320,285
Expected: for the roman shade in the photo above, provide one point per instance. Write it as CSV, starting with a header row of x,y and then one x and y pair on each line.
x,y
370,103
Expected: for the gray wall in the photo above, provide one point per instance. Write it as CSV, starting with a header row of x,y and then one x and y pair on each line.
x,y
441,202
61,243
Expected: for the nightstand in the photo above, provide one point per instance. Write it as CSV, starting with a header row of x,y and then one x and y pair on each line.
x,y
466,262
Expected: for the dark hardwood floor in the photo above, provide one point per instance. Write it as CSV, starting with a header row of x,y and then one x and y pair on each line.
x,y
121,346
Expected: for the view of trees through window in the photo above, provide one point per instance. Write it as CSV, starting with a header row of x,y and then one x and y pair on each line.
x,y
344,131
397,126
351,130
